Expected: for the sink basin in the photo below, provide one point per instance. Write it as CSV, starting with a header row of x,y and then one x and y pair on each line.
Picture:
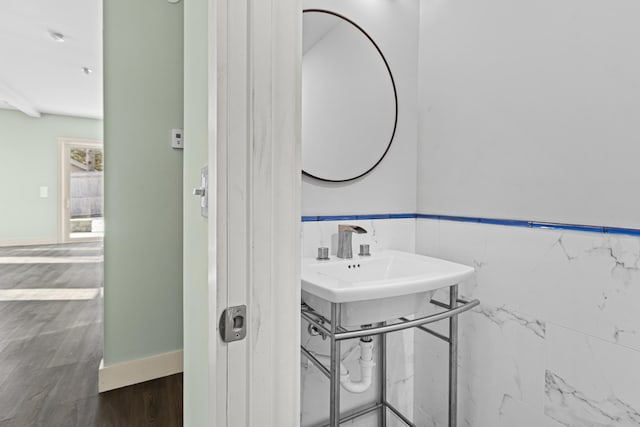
x,y
386,285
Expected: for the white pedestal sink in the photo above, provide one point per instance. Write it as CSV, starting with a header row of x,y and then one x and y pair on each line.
x,y
386,285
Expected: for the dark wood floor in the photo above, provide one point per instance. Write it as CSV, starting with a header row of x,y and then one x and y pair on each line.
x,y
50,349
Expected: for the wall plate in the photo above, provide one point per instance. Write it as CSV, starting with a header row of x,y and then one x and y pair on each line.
x,y
177,138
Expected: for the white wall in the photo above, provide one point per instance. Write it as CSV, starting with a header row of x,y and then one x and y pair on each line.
x,y
391,187
529,110
143,92
28,161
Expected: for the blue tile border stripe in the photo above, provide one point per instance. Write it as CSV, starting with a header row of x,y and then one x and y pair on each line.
x,y
627,231
357,217
573,227
536,224
493,221
399,216
507,222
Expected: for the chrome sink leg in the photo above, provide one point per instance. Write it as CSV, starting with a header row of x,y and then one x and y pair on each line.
x,y
383,378
334,393
453,359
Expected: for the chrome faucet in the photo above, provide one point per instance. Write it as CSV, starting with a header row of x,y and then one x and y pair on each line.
x,y
344,239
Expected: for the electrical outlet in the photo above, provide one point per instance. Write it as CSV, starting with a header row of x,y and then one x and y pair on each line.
x,y
177,138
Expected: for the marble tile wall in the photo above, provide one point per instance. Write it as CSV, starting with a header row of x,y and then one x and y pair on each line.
x,y
556,339
381,234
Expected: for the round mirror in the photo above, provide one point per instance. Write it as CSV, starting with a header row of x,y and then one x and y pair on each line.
x,y
349,100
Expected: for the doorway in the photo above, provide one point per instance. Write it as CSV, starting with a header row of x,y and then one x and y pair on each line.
x,y
81,203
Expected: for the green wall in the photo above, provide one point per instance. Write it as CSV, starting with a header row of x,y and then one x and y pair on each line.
x,y
196,295
143,89
28,161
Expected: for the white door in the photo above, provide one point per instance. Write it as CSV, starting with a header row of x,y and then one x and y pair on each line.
x,y
254,208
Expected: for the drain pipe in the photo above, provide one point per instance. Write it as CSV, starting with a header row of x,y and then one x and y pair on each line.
x,y
366,368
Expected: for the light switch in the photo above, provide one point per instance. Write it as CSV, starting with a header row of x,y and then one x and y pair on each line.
x,y
44,192
177,138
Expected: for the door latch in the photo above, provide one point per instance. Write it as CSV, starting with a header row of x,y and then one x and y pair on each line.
x,y
233,323
202,191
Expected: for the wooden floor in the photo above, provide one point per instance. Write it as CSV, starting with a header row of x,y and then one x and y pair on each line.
x,y
51,346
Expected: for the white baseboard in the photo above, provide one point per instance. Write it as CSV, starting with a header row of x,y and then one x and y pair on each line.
x,y
27,242
138,371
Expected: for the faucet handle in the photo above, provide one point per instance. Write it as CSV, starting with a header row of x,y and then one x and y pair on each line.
x,y
351,229
364,250
323,254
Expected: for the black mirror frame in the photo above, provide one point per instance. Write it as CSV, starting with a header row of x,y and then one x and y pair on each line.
x,y
395,96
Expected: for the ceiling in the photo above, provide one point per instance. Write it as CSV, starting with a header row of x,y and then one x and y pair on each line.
x,y
40,75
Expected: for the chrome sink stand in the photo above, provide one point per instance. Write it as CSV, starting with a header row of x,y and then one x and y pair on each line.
x,y
336,333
